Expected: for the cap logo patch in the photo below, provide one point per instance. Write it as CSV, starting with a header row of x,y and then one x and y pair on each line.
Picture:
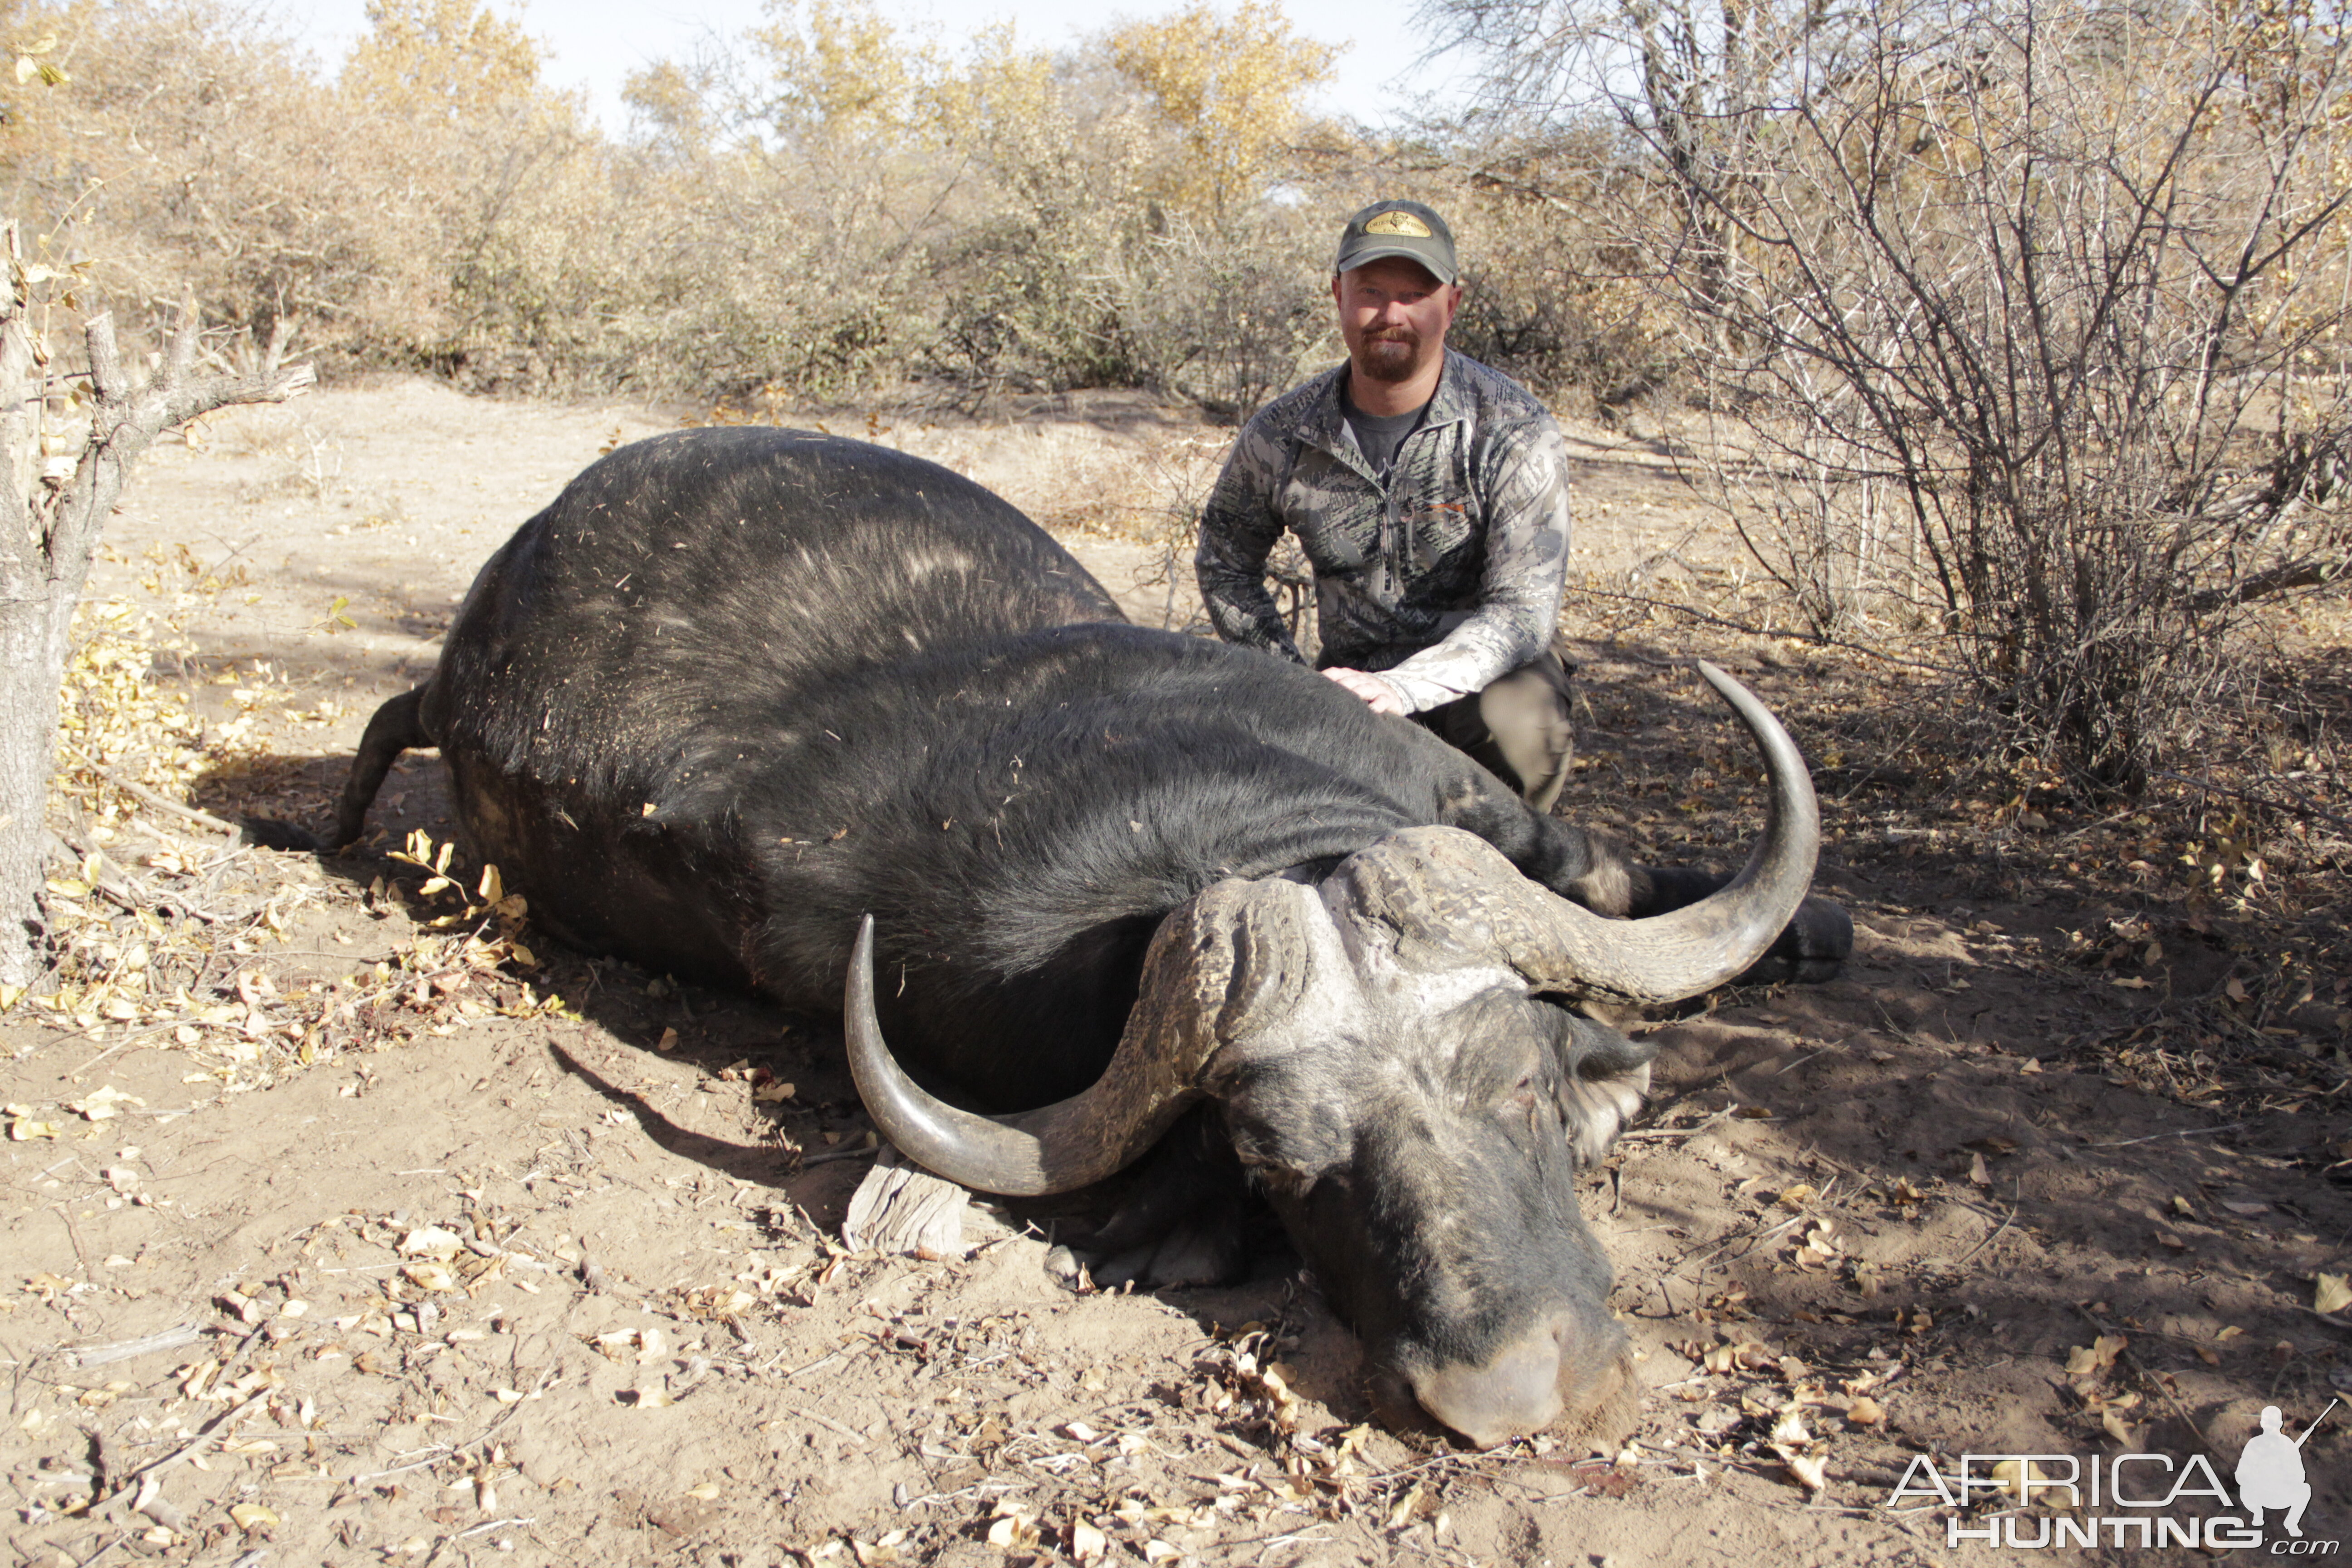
x,y
1401,223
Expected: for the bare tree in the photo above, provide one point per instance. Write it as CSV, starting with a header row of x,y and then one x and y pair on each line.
x,y
63,478
2054,291
1687,77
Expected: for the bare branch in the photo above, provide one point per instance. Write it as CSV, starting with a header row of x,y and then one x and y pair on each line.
x,y
105,359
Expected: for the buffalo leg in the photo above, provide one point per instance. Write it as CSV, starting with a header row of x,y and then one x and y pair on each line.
x,y
1182,1222
397,727
1811,949
1588,868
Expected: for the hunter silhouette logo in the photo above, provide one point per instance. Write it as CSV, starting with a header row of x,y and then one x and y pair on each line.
x,y
2270,1471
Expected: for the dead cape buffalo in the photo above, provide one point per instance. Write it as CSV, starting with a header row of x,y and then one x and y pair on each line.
x,y
773,708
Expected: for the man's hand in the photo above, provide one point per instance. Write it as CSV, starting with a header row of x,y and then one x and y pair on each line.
x,y
1377,694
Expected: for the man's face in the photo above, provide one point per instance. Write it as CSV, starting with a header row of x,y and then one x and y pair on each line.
x,y
1394,316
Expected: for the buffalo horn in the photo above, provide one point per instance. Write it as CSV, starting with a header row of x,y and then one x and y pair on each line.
x,y
1054,1147
1564,947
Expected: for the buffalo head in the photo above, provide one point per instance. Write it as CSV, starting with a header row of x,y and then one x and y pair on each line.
x,y
1396,1056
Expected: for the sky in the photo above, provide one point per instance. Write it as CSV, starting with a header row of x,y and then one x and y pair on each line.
x,y
595,44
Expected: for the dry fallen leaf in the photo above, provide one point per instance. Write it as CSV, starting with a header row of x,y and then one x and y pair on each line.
x,y
1086,1542
1865,1412
431,1241
2086,1361
431,1276
104,1104
251,1516
1811,1471
1011,1528
1407,1507
2332,1293
2033,1484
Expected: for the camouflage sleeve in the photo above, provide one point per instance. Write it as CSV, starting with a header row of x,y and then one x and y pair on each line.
x,y
1526,569
1238,529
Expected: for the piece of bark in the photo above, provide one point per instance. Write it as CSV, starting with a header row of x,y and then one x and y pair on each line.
x,y
900,1207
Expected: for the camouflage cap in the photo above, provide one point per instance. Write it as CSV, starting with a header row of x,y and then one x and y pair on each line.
x,y
1401,229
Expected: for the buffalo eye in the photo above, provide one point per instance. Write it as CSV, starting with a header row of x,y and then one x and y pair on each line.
x,y
1252,1140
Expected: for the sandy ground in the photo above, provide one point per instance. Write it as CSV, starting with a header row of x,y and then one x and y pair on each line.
x,y
488,1281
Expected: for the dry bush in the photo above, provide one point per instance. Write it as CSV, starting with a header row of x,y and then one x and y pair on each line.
x,y
774,207
1553,294
1132,242
186,155
2027,319
1032,282
1227,320
821,208
194,151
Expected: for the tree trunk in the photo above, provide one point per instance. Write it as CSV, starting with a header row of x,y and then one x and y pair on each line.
x,y
49,526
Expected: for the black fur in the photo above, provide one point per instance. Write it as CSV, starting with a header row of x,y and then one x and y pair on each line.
x,y
737,688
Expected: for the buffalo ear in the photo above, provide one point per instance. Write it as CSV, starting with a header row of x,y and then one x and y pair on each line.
x,y
1604,1077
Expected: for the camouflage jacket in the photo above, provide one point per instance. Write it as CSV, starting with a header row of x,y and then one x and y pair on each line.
x,y
1443,578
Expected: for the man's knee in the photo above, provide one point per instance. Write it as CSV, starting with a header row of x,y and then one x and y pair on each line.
x,y
1526,713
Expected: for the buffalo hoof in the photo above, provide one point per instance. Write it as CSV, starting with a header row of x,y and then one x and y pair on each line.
x,y
1184,1223
1813,948
1205,1248
271,834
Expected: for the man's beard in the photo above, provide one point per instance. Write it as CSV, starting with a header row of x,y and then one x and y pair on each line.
x,y
1392,355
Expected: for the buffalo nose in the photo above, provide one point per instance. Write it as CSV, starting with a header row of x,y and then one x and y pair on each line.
x,y
1514,1392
